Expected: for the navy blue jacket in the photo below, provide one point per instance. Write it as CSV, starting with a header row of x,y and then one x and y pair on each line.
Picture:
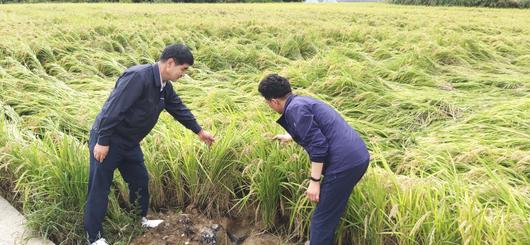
x,y
324,134
133,107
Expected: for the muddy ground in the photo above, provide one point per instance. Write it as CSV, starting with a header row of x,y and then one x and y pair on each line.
x,y
192,228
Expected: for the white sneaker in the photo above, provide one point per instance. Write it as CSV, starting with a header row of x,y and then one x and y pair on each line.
x,y
151,223
101,241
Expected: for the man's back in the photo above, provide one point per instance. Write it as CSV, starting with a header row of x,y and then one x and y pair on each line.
x,y
346,149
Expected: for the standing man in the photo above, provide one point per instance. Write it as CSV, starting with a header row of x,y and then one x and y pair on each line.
x,y
128,115
336,151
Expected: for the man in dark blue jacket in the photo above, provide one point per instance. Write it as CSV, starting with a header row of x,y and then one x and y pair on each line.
x,y
335,149
128,115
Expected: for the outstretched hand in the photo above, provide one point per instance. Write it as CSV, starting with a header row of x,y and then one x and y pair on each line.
x,y
206,137
283,138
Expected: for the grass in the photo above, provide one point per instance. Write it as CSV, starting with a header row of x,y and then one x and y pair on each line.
x,y
440,95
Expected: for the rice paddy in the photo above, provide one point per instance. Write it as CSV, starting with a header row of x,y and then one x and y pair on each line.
x,y
441,96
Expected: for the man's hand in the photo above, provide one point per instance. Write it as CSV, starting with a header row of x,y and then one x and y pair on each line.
x,y
206,137
283,138
313,191
100,152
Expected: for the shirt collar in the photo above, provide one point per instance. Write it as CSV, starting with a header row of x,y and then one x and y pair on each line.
x,y
282,120
288,101
162,82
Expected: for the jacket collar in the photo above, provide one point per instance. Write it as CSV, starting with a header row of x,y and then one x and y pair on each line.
x,y
282,121
156,75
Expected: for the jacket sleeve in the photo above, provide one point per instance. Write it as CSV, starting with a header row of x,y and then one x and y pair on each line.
x,y
179,111
127,90
309,134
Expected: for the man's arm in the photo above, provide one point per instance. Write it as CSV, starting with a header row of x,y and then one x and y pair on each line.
x,y
315,144
309,134
128,89
182,114
313,190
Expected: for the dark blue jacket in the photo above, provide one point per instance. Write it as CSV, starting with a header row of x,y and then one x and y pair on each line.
x,y
324,134
133,107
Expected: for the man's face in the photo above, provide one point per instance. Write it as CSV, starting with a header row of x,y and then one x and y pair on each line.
x,y
176,71
275,105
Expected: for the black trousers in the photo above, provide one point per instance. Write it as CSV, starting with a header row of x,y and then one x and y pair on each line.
x,y
130,162
335,191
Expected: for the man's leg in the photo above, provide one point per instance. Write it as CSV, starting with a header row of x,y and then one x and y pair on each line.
x,y
100,179
134,172
334,194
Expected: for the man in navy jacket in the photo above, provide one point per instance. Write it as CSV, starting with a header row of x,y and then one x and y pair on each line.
x,y
335,149
128,115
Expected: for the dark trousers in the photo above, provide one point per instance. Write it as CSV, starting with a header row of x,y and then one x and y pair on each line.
x,y
335,191
130,162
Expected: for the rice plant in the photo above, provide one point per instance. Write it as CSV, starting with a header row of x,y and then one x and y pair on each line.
x,y
441,96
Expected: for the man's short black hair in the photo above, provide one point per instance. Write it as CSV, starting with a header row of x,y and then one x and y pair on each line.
x,y
274,86
179,52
